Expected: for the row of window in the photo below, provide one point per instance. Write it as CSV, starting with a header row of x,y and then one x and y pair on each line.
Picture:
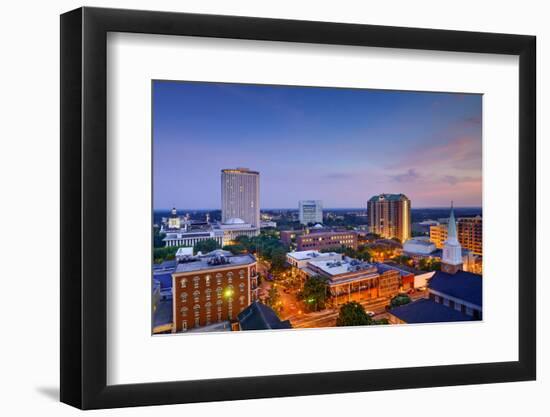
x,y
208,306
208,278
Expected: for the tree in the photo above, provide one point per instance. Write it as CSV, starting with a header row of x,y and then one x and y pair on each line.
x,y
399,300
205,246
353,314
273,298
403,260
314,293
278,258
235,249
157,238
164,254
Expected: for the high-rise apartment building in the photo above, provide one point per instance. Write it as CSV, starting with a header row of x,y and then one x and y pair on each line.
x,y
390,216
241,195
310,211
469,230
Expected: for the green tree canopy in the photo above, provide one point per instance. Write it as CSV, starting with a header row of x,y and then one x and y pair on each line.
x,y
399,300
314,293
353,314
205,246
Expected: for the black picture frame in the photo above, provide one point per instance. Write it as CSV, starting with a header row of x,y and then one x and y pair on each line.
x,y
84,207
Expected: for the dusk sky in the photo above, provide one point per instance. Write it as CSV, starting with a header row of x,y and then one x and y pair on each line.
x,y
341,146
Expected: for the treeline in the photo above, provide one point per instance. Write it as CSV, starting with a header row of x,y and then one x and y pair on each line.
x,y
267,245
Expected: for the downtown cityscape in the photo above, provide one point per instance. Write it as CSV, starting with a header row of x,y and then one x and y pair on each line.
x,y
253,237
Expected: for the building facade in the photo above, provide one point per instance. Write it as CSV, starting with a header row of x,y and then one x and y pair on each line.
x,y
212,288
191,238
326,240
310,211
240,191
356,280
389,216
470,234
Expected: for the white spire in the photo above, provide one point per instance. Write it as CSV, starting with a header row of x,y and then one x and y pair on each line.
x,y
452,251
451,228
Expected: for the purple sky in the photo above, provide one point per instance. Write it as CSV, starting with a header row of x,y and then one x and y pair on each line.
x,y
337,145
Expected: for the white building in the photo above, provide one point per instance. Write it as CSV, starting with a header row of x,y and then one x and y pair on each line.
x,y
191,238
236,227
419,246
241,195
300,259
310,211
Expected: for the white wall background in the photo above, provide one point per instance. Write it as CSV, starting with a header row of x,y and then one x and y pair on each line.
x,y
29,175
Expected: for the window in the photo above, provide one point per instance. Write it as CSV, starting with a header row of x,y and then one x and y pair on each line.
x,y
196,295
183,297
183,311
219,292
208,294
219,279
184,325
207,280
241,300
196,282
241,286
183,283
241,273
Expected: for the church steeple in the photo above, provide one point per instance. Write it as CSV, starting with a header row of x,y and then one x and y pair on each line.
x,y
451,261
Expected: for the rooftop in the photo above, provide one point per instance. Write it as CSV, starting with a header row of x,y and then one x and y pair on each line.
x,y
462,285
239,170
428,311
163,313
420,241
388,197
215,260
309,254
346,266
258,316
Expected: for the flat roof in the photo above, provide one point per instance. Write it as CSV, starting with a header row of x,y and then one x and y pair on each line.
x,y
428,311
309,254
343,267
202,263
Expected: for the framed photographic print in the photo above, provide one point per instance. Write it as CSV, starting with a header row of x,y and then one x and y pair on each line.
x,y
257,208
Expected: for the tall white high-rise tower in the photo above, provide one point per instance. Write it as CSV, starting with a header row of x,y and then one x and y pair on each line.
x,y
241,196
451,261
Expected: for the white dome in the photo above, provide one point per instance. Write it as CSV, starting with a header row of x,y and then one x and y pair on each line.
x,y
235,220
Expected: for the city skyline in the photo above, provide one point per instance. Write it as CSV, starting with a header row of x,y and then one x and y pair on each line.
x,y
340,146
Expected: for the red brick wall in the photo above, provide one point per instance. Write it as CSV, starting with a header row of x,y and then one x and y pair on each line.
x,y
204,298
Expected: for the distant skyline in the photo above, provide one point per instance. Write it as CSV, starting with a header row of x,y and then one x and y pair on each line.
x,y
341,146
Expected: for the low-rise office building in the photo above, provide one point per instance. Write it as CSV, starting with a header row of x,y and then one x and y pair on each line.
x,y
353,279
326,240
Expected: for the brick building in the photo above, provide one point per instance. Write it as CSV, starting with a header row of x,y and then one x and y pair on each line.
x,y
212,288
326,240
